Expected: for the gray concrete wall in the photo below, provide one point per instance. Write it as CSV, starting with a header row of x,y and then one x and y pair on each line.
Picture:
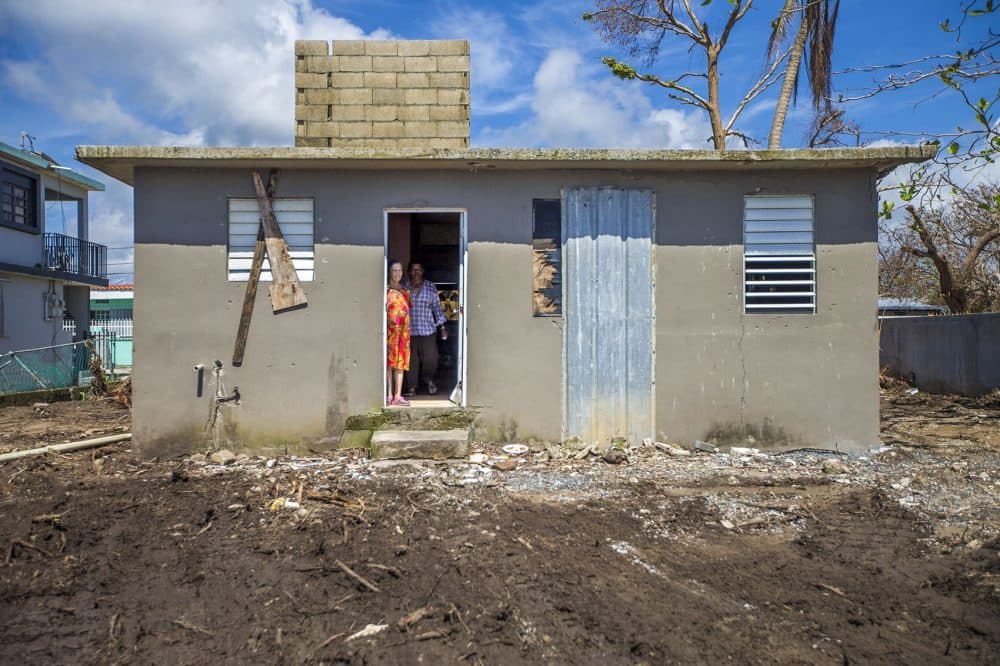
x,y
24,323
807,379
78,303
947,354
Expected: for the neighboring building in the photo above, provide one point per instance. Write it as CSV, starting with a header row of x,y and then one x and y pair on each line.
x,y
111,321
47,265
600,293
902,307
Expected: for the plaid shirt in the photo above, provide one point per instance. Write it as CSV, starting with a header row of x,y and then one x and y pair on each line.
x,y
425,313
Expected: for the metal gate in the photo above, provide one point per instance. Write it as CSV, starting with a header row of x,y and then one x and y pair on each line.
x,y
608,310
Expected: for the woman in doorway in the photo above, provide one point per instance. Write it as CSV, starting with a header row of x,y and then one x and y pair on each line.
x,y
397,313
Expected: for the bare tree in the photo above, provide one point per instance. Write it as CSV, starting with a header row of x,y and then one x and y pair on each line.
x,y
640,27
828,125
816,20
949,255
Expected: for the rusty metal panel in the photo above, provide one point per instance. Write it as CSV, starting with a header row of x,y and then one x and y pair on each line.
x,y
608,310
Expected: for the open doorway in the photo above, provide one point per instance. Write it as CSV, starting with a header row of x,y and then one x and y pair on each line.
x,y
434,239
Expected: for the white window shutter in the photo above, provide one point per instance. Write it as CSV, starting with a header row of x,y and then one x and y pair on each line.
x,y
295,219
779,254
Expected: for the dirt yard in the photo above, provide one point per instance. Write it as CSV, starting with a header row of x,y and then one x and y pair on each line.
x,y
796,558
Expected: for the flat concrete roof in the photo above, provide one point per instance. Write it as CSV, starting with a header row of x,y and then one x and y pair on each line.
x,y
120,162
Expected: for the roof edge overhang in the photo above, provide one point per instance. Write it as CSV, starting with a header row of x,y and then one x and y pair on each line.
x,y
38,164
120,162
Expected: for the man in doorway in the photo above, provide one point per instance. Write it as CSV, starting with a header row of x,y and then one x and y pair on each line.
x,y
426,319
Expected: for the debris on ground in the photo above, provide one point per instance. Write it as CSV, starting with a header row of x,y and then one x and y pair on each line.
x,y
805,556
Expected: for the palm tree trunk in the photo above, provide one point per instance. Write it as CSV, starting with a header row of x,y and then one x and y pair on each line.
x,y
788,85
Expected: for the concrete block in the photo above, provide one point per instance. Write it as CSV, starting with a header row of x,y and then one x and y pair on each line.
x,y
300,96
312,47
381,144
387,130
388,96
349,47
300,128
323,129
312,112
348,112
421,96
381,47
453,64
420,64
347,80
452,96
322,96
356,96
322,64
412,80
448,79
414,47
449,47
456,113
387,64
414,142
414,112
382,113
355,439
350,130
433,444
451,143
355,63
452,129
312,142
380,79
307,81
300,64
420,129
341,142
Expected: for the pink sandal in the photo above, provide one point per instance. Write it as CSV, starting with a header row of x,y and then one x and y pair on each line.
x,y
401,402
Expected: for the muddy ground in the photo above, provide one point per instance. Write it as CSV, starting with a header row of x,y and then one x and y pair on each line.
x,y
795,558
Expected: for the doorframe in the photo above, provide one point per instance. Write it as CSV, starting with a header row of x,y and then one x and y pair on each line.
x,y
463,272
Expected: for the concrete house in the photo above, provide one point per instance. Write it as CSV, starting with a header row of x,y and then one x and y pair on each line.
x,y
47,263
591,293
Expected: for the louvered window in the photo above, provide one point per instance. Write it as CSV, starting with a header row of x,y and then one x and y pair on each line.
x,y
779,255
295,219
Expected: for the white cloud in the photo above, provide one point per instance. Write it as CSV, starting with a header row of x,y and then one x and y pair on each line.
x,y
179,73
576,105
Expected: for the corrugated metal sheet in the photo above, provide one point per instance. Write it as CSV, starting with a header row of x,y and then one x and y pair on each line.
x,y
608,309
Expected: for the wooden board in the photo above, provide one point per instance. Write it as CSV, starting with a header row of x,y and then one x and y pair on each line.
x,y
256,265
286,290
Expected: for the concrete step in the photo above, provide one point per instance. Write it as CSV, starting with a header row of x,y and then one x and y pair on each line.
x,y
433,444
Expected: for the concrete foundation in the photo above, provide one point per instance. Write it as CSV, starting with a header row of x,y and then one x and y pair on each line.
x,y
431,444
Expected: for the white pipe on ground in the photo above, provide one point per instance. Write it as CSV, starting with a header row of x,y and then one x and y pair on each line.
x,y
68,446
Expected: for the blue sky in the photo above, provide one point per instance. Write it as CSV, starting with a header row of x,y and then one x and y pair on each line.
x,y
187,72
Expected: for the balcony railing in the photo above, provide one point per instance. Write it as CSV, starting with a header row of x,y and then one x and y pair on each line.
x,y
72,255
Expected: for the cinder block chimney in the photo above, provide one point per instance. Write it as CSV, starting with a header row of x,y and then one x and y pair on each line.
x,y
382,94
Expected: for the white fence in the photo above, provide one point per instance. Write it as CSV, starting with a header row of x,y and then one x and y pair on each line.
x,y
122,328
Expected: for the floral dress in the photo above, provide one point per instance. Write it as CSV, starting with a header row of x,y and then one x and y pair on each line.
x,y
397,312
